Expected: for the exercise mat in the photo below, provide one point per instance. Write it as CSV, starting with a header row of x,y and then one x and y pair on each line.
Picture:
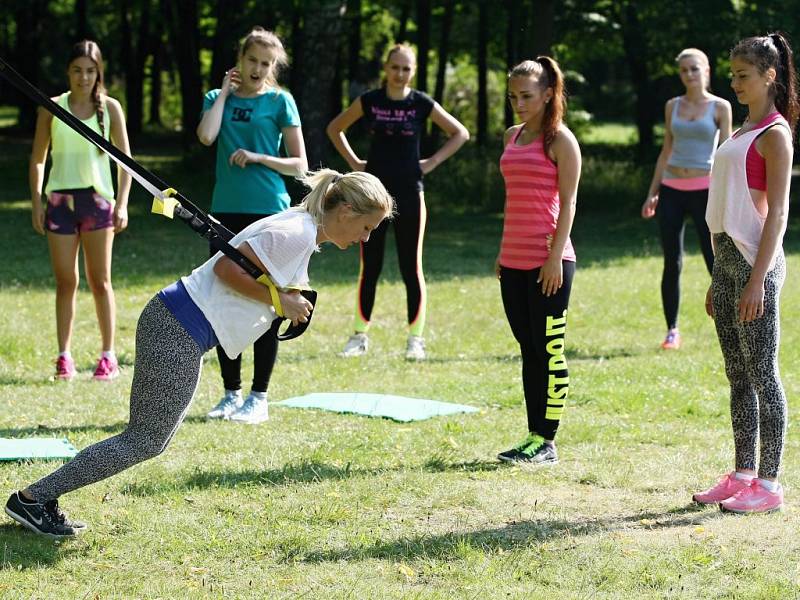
x,y
28,448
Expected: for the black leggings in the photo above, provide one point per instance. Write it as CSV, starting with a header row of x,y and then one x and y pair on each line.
x,y
673,206
409,230
265,348
539,324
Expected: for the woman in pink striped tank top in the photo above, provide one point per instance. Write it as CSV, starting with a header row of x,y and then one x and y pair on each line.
x,y
541,165
748,205
694,124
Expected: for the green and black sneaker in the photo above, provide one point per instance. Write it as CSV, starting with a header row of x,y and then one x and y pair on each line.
x,y
534,451
511,455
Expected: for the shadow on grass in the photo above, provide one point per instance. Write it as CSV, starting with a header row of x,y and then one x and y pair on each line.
x,y
22,549
304,472
40,430
513,536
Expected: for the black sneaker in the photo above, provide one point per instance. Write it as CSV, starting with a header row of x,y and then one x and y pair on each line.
x,y
45,519
511,455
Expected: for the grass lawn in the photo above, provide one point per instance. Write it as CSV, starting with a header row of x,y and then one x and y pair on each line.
x,y
321,505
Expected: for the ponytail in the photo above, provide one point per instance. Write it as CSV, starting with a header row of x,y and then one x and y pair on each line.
x,y
548,74
785,81
362,192
773,52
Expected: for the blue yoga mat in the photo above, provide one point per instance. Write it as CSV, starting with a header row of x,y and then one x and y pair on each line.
x,y
397,408
27,448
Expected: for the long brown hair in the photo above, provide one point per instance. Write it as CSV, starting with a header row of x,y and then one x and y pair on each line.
x,y
548,75
773,51
90,50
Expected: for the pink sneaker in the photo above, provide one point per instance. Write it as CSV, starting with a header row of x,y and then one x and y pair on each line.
x,y
672,341
754,499
107,369
727,487
65,368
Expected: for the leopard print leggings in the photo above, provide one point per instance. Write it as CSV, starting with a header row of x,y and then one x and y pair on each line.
x,y
165,377
758,402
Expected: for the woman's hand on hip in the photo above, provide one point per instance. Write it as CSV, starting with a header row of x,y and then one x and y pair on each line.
x,y
551,276
751,304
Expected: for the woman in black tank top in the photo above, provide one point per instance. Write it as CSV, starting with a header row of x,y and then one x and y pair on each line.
x,y
396,117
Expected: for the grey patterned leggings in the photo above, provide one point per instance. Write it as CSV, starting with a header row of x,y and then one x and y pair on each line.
x,y
758,402
165,377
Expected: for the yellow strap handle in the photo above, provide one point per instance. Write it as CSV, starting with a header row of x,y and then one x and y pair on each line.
x,y
273,292
165,206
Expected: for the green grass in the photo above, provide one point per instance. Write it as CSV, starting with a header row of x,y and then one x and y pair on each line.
x,y
316,505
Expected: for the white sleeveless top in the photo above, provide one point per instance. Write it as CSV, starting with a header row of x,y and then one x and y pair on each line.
x,y
730,207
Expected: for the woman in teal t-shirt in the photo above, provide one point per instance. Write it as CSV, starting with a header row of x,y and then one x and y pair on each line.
x,y
249,118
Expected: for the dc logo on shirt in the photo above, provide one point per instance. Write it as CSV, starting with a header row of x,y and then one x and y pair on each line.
x,y
242,114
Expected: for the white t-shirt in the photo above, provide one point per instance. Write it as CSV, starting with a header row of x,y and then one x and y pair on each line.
x,y
284,244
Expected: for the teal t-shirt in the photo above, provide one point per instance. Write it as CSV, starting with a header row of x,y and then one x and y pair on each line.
x,y
254,124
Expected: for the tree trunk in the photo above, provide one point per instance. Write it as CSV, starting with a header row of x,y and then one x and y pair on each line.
x,y
29,17
323,30
402,25
512,57
635,46
441,67
541,26
183,23
82,28
354,46
157,51
296,78
483,101
423,42
225,47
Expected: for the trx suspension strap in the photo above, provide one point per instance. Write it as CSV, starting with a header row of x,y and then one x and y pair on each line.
x,y
167,201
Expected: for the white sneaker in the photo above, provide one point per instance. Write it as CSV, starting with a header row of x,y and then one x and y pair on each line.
x,y
357,345
415,349
255,409
230,403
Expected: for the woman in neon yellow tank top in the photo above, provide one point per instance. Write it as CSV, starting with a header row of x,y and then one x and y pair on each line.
x,y
79,209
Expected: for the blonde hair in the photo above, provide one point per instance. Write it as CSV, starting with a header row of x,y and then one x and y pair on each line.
x,y
270,41
401,48
362,192
695,52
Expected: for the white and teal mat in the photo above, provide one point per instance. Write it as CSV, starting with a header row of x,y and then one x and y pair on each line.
x,y
397,408
29,448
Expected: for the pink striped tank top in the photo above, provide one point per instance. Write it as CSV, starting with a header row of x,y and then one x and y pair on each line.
x,y
532,206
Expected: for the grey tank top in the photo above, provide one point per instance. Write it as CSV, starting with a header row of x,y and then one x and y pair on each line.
x,y
693,142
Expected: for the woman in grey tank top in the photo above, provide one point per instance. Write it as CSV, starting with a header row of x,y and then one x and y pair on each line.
x,y
695,123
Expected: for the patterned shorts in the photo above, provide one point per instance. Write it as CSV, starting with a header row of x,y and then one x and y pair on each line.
x,y
72,211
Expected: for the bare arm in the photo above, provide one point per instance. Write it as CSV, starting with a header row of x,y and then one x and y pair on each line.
x,y
295,306
567,156
41,144
294,165
119,136
456,133
211,121
650,203
336,132
776,147
724,120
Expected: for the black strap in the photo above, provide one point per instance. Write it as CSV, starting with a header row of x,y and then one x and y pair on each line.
x,y
208,227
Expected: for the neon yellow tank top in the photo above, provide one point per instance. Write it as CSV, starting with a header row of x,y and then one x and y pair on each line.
x,y
77,163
